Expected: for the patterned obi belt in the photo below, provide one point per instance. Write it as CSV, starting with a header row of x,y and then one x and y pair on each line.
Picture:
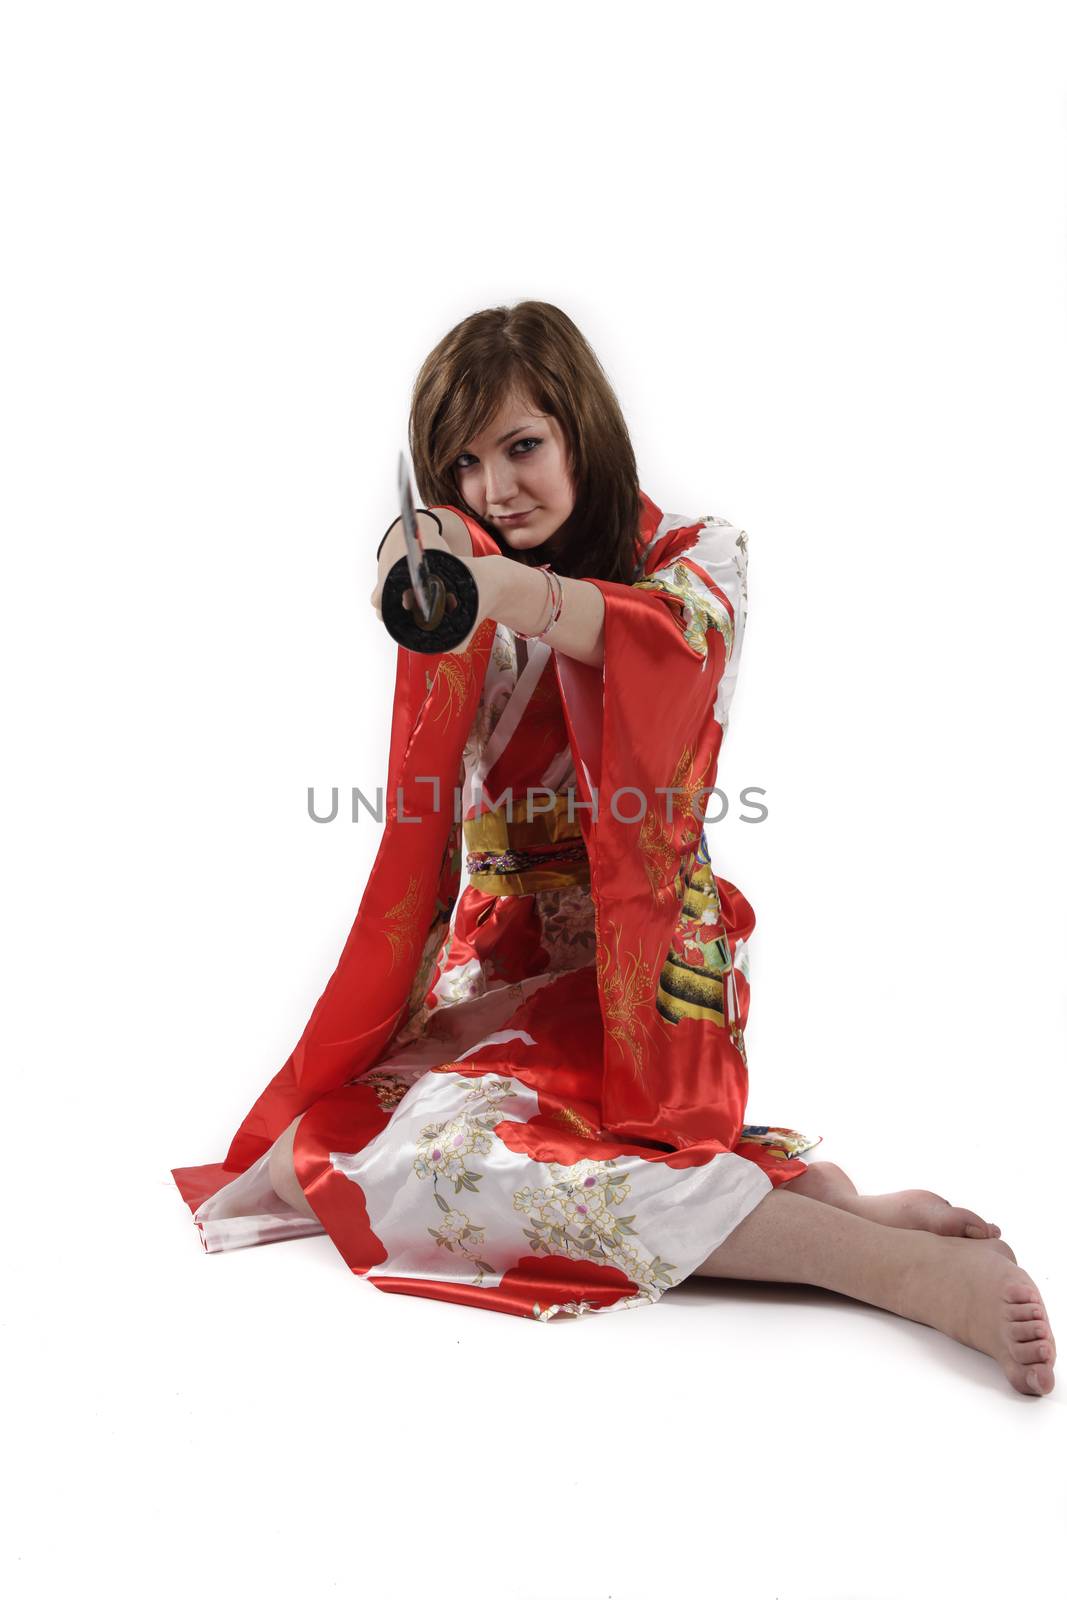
x,y
544,851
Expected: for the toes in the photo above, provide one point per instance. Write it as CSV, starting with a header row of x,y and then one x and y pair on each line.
x,y
1025,1332
1033,1348
1022,1290
970,1223
1035,1380
966,1224
1039,1350
1025,1311
951,1221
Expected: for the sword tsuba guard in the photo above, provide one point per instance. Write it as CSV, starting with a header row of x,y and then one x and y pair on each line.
x,y
453,596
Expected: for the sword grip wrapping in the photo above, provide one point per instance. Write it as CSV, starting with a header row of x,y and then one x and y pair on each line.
x,y
453,604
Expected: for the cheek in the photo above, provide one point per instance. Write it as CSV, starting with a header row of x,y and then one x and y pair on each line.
x,y
555,476
566,486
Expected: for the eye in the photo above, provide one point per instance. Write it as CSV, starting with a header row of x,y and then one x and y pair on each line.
x,y
461,464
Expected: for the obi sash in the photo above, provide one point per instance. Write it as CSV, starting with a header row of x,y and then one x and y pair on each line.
x,y
539,848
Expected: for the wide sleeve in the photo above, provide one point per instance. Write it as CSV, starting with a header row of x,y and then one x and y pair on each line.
x,y
388,957
706,582
646,729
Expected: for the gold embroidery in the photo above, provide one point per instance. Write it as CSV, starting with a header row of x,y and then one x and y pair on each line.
x,y
655,837
627,991
455,674
654,840
700,609
390,1087
571,1118
457,671
403,916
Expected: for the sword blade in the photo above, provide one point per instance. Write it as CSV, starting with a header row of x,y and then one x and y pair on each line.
x,y
413,542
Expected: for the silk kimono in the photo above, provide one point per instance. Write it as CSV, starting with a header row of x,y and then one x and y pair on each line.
x,y
528,1093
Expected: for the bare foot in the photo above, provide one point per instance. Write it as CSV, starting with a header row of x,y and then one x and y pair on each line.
x,y
988,1302
919,1208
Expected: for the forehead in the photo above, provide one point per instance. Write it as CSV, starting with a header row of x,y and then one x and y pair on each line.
x,y
514,412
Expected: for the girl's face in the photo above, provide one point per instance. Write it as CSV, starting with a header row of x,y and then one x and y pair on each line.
x,y
520,463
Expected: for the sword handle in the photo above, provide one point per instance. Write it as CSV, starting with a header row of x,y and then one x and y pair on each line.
x,y
448,624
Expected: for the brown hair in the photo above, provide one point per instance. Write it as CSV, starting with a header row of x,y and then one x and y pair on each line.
x,y
535,349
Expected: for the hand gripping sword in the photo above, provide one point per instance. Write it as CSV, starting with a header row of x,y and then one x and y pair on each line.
x,y
444,592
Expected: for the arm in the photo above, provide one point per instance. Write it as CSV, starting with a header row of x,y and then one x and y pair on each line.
x,y
517,596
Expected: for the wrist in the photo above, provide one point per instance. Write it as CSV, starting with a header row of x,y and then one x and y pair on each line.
x,y
491,577
523,596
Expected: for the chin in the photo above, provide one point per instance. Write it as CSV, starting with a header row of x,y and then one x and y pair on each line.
x,y
526,538
523,539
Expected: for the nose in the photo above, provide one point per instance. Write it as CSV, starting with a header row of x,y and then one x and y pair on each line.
x,y
499,485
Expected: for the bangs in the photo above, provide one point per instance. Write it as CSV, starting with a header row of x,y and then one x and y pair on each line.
x,y
471,404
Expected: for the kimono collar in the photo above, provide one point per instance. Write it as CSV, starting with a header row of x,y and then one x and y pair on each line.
x,y
650,518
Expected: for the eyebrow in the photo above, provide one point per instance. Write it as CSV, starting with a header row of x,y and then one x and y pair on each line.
x,y
521,429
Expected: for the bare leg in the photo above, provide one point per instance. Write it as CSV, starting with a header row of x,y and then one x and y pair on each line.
x,y
907,1208
283,1178
979,1297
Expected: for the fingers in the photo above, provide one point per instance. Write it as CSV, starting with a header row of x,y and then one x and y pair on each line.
x,y
407,601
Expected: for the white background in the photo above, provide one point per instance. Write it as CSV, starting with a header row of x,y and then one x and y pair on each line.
x,y
820,251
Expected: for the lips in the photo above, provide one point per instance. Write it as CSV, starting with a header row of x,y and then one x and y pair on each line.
x,y
518,516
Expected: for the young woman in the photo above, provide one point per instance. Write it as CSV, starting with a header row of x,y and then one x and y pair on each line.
x,y
530,1096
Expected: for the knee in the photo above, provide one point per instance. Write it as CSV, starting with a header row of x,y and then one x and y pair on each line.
x,y
823,1179
828,1169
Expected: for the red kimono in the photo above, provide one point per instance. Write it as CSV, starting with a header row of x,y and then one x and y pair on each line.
x,y
530,1096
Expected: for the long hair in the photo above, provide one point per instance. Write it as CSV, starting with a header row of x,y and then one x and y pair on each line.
x,y
532,348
